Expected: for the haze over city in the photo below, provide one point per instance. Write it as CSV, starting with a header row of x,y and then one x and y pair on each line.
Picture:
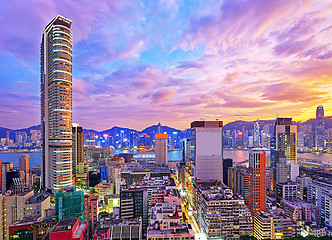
x,y
139,62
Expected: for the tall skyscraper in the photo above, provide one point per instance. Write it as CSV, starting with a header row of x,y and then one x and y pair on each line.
x,y
284,141
56,104
160,148
320,128
78,147
257,136
208,151
257,181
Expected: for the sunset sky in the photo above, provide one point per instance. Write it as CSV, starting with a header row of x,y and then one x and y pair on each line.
x,y
138,62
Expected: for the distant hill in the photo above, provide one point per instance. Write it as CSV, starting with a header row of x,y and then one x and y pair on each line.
x,y
117,130
151,130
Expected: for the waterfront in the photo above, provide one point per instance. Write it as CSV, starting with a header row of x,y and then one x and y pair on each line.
x,y
238,156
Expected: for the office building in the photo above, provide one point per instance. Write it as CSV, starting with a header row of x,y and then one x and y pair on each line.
x,y
319,128
300,141
56,104
186,149
284,141
24,167
286,171
238,180
257,136
272,225
78,147
226,164
286,191
208,150
302,186
69,203
5,167
160,148
134,204
257,181
318,190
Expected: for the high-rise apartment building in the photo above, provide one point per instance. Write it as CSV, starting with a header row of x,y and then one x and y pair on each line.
x,y
207,150
56,104
160,148
320,128
284,141
220,213
257,181
78,147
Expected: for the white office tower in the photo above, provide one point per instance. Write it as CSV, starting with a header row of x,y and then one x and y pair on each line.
x,y
207,142
160,149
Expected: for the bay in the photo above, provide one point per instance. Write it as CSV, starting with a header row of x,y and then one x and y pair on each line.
x,y
238,156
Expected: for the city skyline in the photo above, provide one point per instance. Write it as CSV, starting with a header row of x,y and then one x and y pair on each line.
x,y
136,63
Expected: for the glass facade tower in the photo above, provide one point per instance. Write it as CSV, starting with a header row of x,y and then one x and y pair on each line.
x,y
320,128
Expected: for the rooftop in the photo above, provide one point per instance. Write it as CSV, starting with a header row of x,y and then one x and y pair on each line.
x,y
65,225
81,229
182,228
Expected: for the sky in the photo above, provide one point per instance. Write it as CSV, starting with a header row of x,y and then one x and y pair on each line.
x,y
136,63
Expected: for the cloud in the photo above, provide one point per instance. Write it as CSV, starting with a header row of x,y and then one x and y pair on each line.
x,y
135,62
163,95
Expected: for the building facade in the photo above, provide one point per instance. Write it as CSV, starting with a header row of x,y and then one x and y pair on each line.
x,y
207,150
257,181
319,128
284,141
160,148
56,104
78,147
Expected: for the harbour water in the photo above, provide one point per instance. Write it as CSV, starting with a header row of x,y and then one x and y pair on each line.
x,y
238,156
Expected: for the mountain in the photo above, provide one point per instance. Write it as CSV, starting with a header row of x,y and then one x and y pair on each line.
x,y
169,130
239,125
117,130
3,132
